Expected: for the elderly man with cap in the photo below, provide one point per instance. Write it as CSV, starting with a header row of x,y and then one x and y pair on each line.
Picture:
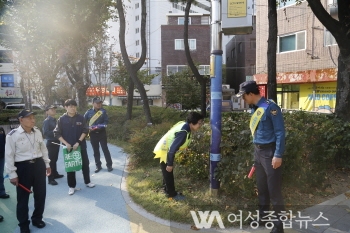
x,y
27,164
98,120
52,143
267,128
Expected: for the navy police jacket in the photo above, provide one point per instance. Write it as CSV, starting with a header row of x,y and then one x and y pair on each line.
x,y
48,126
271,127
102,120
71,128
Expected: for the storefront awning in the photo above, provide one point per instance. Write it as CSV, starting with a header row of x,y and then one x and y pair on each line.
x,y
306,76
139,97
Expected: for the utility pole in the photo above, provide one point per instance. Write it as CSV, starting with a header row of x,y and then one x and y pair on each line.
x,y
215,93
110,74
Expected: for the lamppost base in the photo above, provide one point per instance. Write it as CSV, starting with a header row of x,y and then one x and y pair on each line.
x,y
214,192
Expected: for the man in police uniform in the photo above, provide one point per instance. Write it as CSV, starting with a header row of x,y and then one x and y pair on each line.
x,y
97,119
267,128
27,164
52,144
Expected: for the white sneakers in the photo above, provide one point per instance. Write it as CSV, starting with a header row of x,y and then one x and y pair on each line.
x,y
71,191
90,185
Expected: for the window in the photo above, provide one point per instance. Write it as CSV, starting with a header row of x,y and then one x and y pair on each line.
x,y
137,5
252,68
172,69
253,43
205,20
137,55
137,18
329,38
137,30
204,69
7,80
179,44
291,42
181,20
233,51
240,47
137,42
6,56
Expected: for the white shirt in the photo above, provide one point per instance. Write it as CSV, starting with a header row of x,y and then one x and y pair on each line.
x,y
22,146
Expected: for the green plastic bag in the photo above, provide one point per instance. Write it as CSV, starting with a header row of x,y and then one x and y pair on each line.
x,y
72,159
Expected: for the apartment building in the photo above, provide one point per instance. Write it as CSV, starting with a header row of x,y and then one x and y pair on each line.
x,y
157,15
306,56
172,44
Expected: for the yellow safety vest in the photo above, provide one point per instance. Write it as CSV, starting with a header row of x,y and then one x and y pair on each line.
x,y
162,147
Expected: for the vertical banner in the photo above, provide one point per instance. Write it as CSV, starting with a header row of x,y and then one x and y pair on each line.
x,y
322,97
262,89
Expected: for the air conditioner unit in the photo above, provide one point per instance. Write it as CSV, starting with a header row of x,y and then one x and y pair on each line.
x,y
226,86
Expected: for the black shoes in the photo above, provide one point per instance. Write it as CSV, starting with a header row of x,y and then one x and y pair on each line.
x,y
1,218
58,176
25,230
5,196
98,169
39,224
277,230
52,182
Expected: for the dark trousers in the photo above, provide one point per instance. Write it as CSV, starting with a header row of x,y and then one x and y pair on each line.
x,y
31,175
269,182
2,186
72,182
168,180
53,150
97,138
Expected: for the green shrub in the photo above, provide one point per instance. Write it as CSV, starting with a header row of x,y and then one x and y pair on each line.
x,y
315,144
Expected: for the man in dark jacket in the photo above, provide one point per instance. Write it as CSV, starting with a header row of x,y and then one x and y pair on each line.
x,y
52,144
97,119
3,193
71,130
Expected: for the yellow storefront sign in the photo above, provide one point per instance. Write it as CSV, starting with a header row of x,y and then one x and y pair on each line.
x,y
320,97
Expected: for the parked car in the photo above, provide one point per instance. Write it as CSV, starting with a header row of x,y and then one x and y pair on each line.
x,y
22,106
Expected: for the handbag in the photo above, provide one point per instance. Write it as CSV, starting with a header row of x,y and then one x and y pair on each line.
x,y
72,160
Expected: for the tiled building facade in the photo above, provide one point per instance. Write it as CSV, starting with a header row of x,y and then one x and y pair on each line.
x,y
306,57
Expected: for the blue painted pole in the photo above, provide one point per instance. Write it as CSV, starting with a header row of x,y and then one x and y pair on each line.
x,y
215,119
215,94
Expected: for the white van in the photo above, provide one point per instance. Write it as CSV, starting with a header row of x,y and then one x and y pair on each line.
x,y
22,106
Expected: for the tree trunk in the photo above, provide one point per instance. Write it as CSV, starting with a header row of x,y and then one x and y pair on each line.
x,y
271,51
342,109
341,32
133,68
202,81
130,98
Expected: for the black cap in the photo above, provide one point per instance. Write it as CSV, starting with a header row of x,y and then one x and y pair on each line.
x,y
246,87
96,100
50,107
25,113
70,102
